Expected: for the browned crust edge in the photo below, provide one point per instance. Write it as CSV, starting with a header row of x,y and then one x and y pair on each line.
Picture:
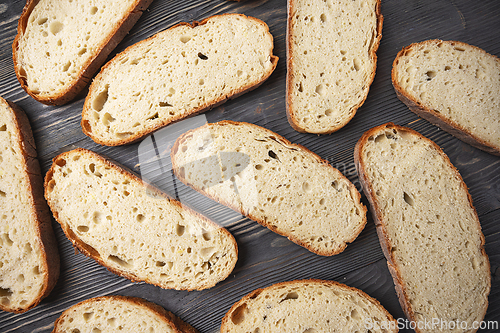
x,y
175,322
91,252
381,224
327,283
87,130
292,119
40,210
90,67
267,223
433,116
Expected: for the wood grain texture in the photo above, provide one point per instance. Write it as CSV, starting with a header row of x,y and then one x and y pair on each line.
x,y
266,258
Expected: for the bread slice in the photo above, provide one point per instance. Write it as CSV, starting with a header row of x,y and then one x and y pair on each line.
x,y
331,60
133,229
60,45
179,72
29,260
427,226
119,313
281,185
454,86
308,306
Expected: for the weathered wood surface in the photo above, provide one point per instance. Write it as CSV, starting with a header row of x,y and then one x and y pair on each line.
x,y
266,258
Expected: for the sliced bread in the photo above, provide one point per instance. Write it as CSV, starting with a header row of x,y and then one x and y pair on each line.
x,y
308,306
119,313
29,260
454,86
132,228
281,185
179,72
60,45
331,61
427,226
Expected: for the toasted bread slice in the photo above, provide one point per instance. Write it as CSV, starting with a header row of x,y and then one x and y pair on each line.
x,y
331,61
132,228
119,313
454,86
29,260
308,306
427,226
281,185
60,45
179,72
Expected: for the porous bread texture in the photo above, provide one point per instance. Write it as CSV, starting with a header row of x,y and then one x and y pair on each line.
x,y
60,45
133,229
281,185
331,52
308,306
119,314
454,86
29,260
427,226
179,72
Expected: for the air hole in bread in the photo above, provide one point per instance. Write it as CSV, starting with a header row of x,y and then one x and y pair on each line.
x,y
119,261
5,292
447,68
160,264
101,99
87,315
206,235
111,322
163,105
179,230
41,20
153,117
82,51
55,27
301,89
357,64
319,89
322,17
290,295
82,228
36,270
306,187
430,75
185,39
408,199
107,118
3,194
93,10
202,56
140,218
459,48
355,315
96,330
238,315
272,154
66,66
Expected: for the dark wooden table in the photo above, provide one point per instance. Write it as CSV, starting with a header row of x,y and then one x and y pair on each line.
x,y
266,258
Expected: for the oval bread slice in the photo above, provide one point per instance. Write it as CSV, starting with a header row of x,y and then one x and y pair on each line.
x,y
29,260
454,86
308,306
60,45
133,229
179,72
331,61
281,185
427,226
119,313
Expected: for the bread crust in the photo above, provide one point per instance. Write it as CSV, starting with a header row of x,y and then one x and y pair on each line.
x,y
39,209
88,70
292,119
431,115
175,322
381,223
266,223
330,284
87,130
92,253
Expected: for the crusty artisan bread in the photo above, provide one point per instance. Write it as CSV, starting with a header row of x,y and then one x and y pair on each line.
x,y
60,45
119,313
29,260
179,72
427,226
133,229
281,185
454,86
331,61
308,306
